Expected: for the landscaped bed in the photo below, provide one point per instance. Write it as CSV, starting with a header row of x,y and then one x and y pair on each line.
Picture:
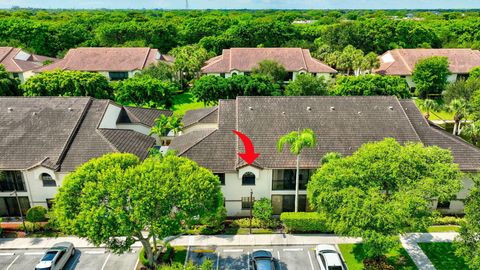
x,y
397,257
442,256
185,102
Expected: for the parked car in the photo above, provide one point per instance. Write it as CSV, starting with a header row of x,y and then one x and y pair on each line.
x,y
262,260
56,257
328,258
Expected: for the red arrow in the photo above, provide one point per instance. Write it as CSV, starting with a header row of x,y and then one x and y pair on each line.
x,y
249,156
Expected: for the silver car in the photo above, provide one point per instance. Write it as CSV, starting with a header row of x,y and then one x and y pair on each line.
x,y
329,258
56,257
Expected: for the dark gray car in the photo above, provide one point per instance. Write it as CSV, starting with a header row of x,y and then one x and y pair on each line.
x,y
262,260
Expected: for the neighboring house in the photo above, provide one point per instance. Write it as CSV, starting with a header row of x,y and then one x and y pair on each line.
x,y
113,63
21,63
42,139
401,62
342,124
240,61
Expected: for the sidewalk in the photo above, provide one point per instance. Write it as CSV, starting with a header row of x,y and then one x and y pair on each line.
x,y
410,243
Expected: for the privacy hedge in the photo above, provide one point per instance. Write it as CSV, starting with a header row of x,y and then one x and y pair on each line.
x,y
304,222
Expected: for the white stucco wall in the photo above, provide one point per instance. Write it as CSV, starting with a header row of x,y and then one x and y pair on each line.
x,y
110,117
38,193
457,205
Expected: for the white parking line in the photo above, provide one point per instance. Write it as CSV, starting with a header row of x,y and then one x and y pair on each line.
x,y
74,263
218,259
266,249
7,254
10,265
248,259
278,252
95,252
293,249
106,260
136,264
278,259
310,258
232,250
33,253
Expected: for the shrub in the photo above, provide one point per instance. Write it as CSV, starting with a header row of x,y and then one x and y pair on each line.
x,y
30,226
304,222
371,85
263,211
145,91
36,214
448,220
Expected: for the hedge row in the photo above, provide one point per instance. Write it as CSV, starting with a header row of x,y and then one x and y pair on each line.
x,y
448,220
303,222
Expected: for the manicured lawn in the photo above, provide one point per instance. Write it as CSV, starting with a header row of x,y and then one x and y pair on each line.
x,y
397,257
184,102
443,257
440,115
443,228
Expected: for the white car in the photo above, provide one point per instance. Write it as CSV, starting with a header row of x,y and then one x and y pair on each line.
x,y
56,257
328,258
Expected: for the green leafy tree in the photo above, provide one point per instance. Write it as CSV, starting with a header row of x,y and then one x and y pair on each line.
x,y
474,73
370,85
329,157
350,59
209,89
307,85
145,91
383,189
430,76
9,86
428,105
189,60
254,85
461,89
272,69
116,200
369,62
297,140
68,83
468,242
263,211
163,125
161,71
472,131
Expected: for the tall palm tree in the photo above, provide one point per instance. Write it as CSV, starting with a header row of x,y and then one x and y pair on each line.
x,y
473,132
175,124
459,108
428,105
297,141
161,126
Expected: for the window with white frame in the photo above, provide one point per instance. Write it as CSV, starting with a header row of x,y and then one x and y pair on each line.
x,y
47,180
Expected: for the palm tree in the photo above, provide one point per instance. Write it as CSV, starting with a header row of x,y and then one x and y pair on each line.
x,y
161,126
459,108
297,141
428,105
175,124
473,132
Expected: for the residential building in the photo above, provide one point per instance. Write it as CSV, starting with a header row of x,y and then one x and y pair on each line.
x,y
21,63
241,61
113,63
341,124
42,139
401,62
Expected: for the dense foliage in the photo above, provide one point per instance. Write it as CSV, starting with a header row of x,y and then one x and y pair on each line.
x,y
263,210
155,195
430,76
271,68
68,83
36,214
301,222
8,86
371,85
145,91
307,85
383,189
468,242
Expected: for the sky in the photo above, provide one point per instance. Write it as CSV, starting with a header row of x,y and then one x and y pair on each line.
x,y
246,4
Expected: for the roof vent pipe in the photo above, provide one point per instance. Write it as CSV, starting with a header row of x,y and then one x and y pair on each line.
x,y
10,109
309,108
34,113
70,109
250,108
391,108
332,108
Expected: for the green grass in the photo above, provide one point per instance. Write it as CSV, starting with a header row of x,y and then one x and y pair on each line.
x,y
443,257
443,228
440,115
243,231
179,254
397,257
184,102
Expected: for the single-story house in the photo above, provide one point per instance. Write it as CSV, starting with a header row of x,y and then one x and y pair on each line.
x,y
42,139
401,62
240,61
342,124
113,63
21,63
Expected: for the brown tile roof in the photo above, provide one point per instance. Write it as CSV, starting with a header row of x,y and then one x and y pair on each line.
x,y
107,59
402,61
245,59
342,124
17,61
60,133
145,116
204,115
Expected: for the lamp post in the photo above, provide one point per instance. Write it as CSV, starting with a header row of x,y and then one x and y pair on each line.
x,y
251,207
20,208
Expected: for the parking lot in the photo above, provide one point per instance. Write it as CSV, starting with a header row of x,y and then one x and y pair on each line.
x,y
84,259
236,258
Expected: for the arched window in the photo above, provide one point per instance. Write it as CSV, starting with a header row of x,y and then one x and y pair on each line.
x,y
248,179
47,180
